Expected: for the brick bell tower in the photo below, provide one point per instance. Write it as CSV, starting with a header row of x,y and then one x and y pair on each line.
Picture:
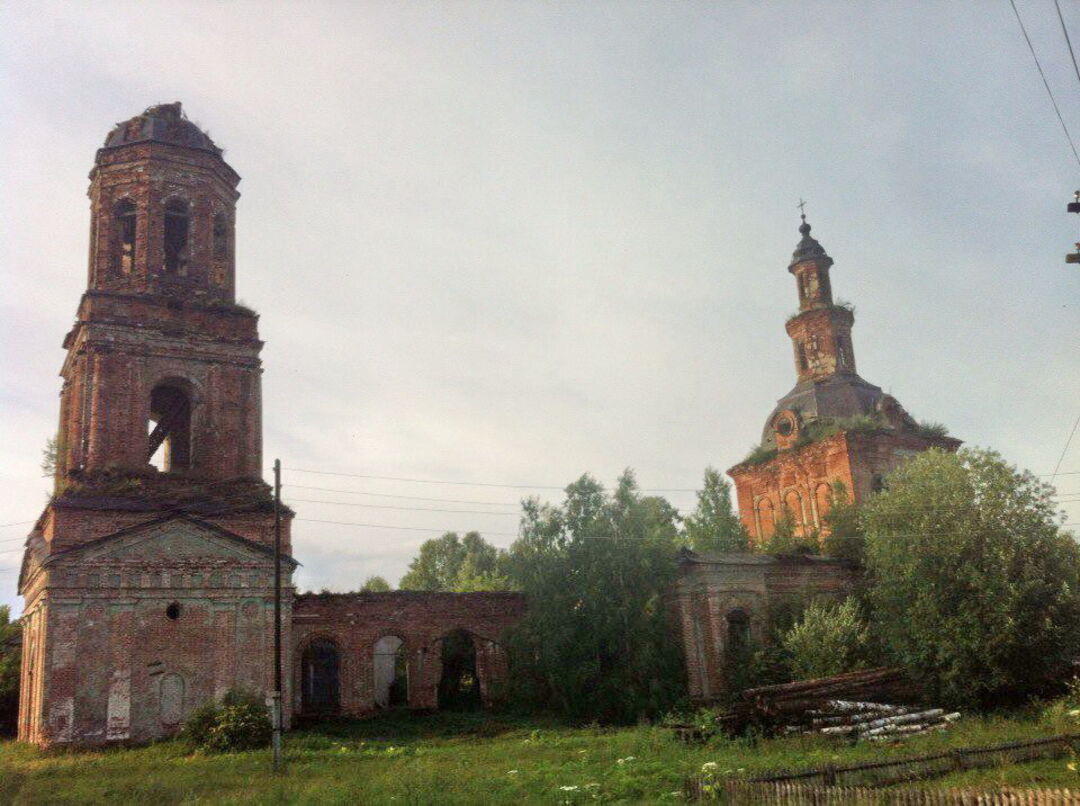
x,y
832,427
148,579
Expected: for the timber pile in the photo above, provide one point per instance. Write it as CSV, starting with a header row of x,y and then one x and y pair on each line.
x,y
771,708
870,720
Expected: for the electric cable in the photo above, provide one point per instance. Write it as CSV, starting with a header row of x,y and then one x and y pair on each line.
x,y
1068,42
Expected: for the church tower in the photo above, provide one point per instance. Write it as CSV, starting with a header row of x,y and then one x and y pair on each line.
x,y
833,428
148,578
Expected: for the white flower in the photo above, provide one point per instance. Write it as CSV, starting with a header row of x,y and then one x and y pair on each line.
x,y
568,788
511,772
626,760
708,766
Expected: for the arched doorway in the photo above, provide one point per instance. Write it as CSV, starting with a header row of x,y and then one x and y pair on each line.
x,y
391,666
320,678
459,686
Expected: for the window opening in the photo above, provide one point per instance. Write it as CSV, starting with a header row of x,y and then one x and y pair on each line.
x,y
169,443
738,628
176,236
124,236
320,678
391,664
459,686
172,612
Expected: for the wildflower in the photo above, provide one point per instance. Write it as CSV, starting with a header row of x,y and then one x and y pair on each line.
x,y
568,788
1071,766
626,760
708,766
511,772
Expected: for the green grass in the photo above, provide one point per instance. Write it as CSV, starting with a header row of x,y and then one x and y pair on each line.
x,y
473,758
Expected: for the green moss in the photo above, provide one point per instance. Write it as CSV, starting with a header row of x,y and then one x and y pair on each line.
x,y
929,430
759,455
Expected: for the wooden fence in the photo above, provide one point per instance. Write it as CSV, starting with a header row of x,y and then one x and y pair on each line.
x,y
744,793
866,777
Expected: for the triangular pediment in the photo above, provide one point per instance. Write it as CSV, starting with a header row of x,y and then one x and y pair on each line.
x,y
176,538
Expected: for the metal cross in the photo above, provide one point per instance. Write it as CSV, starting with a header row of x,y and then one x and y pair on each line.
x,y
802,207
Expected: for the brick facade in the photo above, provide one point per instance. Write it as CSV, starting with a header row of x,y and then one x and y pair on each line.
x,y
148,586
832,428
720,599
354,623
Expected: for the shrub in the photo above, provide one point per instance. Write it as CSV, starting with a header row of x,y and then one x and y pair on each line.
x,y
975,589
830,639
239,722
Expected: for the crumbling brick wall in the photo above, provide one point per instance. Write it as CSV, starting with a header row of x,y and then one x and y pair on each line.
x,y
355,622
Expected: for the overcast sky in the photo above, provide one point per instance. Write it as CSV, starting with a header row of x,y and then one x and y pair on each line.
x,y
512,242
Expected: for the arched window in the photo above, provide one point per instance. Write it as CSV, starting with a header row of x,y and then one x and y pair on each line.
x,y
123,236
320,678
793,505
170,432
391,665
766,518
221,236
824,500
803,365
738,628
841,353
459,685
176,236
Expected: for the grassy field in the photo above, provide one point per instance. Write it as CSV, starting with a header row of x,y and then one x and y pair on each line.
x,y
474,758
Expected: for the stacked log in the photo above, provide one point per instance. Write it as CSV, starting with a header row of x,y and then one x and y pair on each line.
x,y
874,721
771,708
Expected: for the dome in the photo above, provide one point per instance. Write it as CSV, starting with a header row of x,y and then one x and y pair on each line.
x,y
164,123
808,248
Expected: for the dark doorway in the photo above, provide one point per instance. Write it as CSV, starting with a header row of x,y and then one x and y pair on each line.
x,y
320,678
459,686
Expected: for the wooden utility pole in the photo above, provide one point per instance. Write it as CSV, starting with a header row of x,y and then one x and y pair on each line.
x,y
276,696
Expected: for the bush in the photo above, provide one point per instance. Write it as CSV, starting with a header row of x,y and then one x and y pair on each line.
x,y
830,639
239,722
974,587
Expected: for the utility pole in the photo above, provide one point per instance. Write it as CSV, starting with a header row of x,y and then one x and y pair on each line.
x,y
275,715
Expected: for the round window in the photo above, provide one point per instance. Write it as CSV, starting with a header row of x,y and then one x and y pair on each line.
x,y
172,612
784,426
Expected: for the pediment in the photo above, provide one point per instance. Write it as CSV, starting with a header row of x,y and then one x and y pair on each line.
x,y
178,538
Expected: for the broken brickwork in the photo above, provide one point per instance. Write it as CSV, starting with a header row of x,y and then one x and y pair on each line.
x,y
148,580
833,428
722,601
349,630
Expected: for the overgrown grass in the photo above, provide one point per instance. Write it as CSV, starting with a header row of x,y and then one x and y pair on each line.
x,y
471,758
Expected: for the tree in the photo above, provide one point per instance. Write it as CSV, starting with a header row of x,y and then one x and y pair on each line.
x,y
844,537
10,658
975,588
450,563
784,539
714,526
595,642
830,638
375,584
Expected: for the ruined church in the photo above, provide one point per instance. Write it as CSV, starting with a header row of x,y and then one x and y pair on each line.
x,y
148,579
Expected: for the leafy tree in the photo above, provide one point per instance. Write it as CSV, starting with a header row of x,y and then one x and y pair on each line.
x,y
595,642
830,638
450,563
844,532
375,584
975,588
784,539
10,658
714,526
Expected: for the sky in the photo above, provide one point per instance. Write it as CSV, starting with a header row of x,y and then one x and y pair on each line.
x,y
508,243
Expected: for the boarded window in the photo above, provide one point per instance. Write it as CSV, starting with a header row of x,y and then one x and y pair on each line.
x,y
172,699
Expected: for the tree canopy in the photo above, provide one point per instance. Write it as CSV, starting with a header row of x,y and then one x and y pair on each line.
x,y
974,587
595,642
375,584
714,525
450,563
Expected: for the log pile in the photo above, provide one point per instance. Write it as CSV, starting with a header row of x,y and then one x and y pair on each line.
x,y
772,708
869,720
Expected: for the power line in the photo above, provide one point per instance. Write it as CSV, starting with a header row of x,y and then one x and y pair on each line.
x,y
1046,83
405,497
1068,41
1066,448
407,509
